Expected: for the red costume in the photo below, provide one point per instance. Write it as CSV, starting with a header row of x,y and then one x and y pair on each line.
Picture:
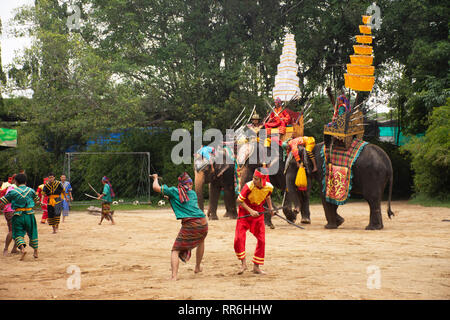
x,y
254,197
281,120
44,201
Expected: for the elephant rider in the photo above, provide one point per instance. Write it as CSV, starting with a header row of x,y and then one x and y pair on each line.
x,y
342,106
206,152
255,124
279,118
307,142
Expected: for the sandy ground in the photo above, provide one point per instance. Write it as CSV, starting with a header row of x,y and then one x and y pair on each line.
x,y
408,259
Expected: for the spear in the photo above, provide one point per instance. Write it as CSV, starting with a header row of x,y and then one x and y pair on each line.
x,y
88,195
93,188
238,117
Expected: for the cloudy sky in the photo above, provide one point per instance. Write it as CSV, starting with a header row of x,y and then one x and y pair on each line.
x,y
9,44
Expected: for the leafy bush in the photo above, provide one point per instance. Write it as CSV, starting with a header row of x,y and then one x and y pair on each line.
x,y
430,155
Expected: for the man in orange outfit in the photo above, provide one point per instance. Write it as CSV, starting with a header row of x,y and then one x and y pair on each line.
x,y
279,118
251,199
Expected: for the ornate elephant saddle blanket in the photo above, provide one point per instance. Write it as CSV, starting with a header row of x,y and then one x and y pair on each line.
x,y
337,170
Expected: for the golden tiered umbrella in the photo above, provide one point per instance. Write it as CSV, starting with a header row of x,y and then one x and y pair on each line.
x,y
360,71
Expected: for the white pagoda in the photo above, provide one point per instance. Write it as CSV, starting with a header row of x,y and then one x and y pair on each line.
x,y
287,84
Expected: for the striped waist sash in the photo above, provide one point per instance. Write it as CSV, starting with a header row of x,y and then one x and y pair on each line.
x,y
52,199
25,210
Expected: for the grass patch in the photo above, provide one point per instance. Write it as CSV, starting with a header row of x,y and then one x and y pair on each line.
x,y
427,201
127,206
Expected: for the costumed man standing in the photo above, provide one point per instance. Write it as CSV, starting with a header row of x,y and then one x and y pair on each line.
x,y
279,118
53,189
251,200
44,201
8,212
5,186
23,199
194,226
106,197
68,196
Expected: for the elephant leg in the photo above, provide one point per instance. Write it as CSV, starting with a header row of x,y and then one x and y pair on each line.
x,y
291,204
230,203
304,209
333,219
214,193
376,220
268,220
304,202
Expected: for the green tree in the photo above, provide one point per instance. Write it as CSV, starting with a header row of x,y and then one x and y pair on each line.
x,y
430,155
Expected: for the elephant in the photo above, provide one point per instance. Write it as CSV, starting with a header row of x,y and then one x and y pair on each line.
x,y
248,161
223,177
295,200
371,172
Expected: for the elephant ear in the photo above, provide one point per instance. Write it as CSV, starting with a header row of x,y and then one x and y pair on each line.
x,y
245,151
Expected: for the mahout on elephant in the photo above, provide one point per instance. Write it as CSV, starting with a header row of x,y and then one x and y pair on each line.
x,y
219,173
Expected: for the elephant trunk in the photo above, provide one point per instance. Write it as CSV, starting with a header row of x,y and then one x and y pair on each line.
x,y
199,182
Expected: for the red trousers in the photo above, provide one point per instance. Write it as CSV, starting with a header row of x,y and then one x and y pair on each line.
x,y
257,228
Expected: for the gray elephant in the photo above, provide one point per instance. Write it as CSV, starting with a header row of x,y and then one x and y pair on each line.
x,y
218,175
372,171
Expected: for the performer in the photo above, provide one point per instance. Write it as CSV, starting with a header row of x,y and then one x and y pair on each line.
x,y
23,199
251,199
53,189
5,186
279,118
194,226
342,106
8,212
68,195
206,152
44,201
106,195
291,145
255,124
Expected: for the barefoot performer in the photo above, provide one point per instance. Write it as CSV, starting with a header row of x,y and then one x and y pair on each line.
x,y
106,197
8,212
53,189
251,199
44,200
23,199
194,226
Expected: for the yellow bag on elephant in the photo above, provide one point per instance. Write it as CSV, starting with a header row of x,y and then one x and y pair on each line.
x,y
300,180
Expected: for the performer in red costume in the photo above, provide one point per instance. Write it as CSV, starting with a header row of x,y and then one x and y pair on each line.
x,y
279,118
251,199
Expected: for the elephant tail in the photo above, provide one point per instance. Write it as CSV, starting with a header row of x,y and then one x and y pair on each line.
x,y
391,180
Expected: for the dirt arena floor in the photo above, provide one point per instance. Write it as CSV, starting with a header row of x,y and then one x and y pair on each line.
x,y
408,259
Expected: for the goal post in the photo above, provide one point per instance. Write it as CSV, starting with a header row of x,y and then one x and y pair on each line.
x,y
129,173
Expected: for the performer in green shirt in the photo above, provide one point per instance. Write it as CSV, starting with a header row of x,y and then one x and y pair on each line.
x,y
23,199
194,226
106,196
